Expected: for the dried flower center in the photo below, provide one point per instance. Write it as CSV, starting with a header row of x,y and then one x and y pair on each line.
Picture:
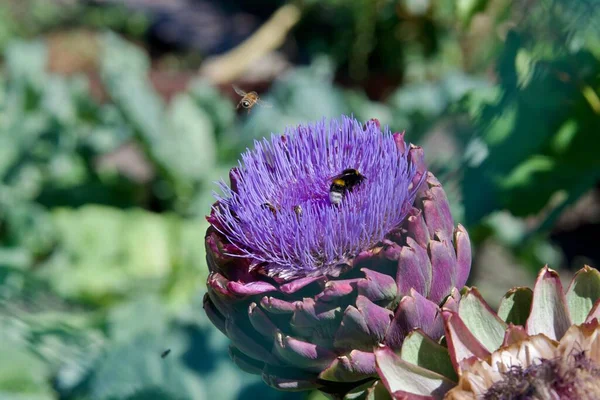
x,y
567,378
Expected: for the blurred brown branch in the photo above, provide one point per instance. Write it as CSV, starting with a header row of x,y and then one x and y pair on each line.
x,y
271,35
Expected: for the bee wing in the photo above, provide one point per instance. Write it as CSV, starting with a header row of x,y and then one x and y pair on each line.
x,y
239,91
334,177
341,175
264,103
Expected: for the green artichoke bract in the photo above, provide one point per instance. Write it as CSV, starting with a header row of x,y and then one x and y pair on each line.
x,y
305,283
542,343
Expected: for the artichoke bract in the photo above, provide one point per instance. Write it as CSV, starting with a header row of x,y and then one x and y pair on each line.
x,y
543,343
305,288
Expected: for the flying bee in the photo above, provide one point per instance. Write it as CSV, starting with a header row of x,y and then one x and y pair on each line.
x,y
345,182
249,99
270,207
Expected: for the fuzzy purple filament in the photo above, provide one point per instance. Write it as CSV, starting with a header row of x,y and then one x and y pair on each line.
x,y
296,170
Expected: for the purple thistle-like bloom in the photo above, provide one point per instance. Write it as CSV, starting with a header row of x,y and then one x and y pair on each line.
x,y
306,288
259,214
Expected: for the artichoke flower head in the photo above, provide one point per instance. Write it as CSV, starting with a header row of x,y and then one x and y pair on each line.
x,y
541,345
306,287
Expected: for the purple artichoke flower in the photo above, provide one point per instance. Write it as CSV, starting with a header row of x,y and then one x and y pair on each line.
x,y
304,287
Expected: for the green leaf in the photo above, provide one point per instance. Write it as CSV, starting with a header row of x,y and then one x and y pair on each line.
x,y
364,109
29,226
108,253
515,306
26,62
180,139
522,171
481,320
525,172
58,101
188,146
583,292
128,369
23,374
150,318
124,71
220,109
426,99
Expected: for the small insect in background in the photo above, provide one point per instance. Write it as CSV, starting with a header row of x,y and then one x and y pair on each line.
x,y
270,207
249,99
165,353
298,211
343,183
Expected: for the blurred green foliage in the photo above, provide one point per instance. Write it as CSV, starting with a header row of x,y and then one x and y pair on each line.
x,y
536,144
534,136
93,285
31,18
103,197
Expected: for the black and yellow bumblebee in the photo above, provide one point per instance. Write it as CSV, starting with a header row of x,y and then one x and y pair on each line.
x,y
344,182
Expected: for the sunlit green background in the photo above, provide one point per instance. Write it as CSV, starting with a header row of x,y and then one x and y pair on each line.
x,y
117,117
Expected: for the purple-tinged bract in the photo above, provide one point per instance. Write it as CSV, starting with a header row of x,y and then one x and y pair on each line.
x,y
296,169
